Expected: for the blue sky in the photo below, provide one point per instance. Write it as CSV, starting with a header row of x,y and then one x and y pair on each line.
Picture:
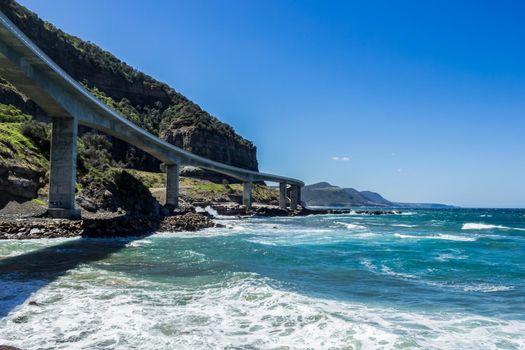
x,y
418,100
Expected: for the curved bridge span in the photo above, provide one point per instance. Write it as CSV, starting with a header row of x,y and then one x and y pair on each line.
x,y
69,104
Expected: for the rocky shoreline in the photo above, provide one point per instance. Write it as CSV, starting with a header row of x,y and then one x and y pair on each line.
x,y
34,228
234,209
111,225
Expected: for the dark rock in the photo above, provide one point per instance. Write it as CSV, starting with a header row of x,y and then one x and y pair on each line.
x,y
124,193
8,347
186,222
270,210
18,183
87,203
229,209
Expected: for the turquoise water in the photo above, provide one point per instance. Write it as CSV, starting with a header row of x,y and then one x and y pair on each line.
x,y
447,279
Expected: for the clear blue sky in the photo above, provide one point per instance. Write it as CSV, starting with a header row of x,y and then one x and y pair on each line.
x,y
426,99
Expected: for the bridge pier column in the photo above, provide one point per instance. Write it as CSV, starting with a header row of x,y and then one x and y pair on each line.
x,y
172,185
282,195
62,177
247,194
294,197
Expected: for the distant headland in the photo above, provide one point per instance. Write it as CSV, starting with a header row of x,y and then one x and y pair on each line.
x,y
325,194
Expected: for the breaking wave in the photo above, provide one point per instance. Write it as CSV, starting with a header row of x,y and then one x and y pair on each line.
x,y
479,226
439,236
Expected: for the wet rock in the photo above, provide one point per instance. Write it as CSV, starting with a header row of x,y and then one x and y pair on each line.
x,y
8,347
229,209
87,204
186,222
270,210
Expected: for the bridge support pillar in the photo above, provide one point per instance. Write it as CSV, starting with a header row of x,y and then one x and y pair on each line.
x,y
62,178
282,195
247,194
172,185
294,197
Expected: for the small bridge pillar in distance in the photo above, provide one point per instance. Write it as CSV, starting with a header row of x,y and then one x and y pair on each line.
x,y
282,195
62,177
247,194
294,197
172,185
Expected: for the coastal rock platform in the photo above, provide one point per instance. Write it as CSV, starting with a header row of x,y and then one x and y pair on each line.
x,y
34,228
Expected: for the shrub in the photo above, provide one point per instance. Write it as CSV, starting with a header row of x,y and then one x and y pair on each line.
x,y
94,152
11,114
39,134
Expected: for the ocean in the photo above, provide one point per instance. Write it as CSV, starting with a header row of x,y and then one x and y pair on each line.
x,y
422,279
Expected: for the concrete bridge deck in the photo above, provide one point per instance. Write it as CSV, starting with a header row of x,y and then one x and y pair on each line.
x,y
69,104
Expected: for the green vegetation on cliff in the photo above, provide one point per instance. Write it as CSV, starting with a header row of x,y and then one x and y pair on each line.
x,y
20,144
11,114
17,150
210,191
150,179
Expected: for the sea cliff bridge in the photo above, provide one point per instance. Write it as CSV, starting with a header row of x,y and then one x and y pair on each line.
x,y
69,105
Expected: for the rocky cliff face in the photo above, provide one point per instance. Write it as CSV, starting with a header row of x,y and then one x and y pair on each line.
x,y
17,183
215,146
147,102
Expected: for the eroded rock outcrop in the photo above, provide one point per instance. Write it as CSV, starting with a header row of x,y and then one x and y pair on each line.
x,y
119,192
18,183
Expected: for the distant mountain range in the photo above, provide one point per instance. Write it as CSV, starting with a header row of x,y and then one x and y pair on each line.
x,y
325,194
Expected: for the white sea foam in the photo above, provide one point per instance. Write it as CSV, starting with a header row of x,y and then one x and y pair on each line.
x,y
475,226
138,243
368,264
388,271
404,225
210,232
363,235
242,312
475,287
446,237
385,270
298,236
480,226
487,288
352,226
448,256
210,211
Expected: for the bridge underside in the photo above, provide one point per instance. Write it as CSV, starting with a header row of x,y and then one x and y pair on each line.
x,y
69,105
